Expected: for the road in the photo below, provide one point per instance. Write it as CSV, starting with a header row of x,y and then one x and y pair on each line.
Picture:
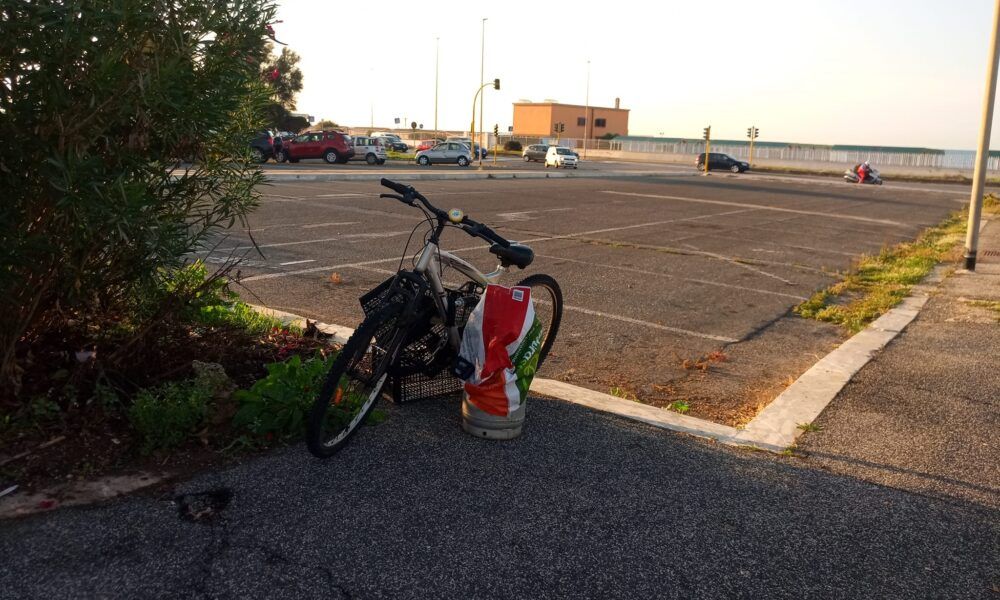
x,y
583,505
655,270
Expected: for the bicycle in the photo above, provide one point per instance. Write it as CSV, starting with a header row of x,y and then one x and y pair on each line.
x,y
413,324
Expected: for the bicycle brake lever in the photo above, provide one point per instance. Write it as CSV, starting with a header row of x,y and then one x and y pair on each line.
x,y
395,197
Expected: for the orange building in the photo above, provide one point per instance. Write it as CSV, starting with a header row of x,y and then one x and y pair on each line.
x,y
540,118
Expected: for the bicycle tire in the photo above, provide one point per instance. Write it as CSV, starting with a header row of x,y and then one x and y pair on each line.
x,y
349,368
545,290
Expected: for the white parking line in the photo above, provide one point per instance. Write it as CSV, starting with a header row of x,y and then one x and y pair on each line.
x,y
339,238
668,276
314,225
296,262
597,313
761,207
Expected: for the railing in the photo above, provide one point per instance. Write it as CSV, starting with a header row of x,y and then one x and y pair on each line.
x,y
949,159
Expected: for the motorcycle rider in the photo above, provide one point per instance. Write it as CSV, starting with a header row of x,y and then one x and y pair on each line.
x,y
864,170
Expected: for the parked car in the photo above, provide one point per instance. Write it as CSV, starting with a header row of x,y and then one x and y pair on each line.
x,y
369,150
331,146
392,142
262,146
535,152
558,156
718,160
445,152
480,152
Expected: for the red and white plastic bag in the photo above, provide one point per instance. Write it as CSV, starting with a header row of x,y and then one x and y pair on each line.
x,y
501,341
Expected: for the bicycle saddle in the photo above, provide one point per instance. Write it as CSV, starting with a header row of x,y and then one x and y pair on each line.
x,y
515,254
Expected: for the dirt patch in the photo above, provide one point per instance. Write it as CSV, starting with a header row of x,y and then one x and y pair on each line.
x,y
61,437
731,384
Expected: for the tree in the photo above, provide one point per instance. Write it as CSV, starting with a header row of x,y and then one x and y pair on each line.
x,y
327,124
98,102
283,75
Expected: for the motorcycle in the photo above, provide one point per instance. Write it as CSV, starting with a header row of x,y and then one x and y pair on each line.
x,y
851,176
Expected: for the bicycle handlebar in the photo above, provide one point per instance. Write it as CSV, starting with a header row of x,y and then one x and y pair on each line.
x,y
473,228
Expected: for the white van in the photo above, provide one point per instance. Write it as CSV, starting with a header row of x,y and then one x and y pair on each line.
x,y
369,150
560,156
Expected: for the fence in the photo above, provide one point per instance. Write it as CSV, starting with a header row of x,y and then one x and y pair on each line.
x,y
947,159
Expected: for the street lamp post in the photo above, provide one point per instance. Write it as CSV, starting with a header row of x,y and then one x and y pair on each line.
x,y
983,152
482,64
586,114
437,58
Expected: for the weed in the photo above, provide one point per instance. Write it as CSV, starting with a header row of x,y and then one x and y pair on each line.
x,y
275,407
624,394
376,417
879,282
992,305
679,406
167,415
810,427
239,315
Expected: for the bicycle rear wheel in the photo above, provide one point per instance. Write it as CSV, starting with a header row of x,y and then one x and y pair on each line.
x,y
353,385
548,301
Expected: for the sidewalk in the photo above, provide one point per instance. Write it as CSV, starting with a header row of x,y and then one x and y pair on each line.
x,y
924,416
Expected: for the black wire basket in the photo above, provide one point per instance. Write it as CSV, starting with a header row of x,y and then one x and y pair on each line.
x,y
422,369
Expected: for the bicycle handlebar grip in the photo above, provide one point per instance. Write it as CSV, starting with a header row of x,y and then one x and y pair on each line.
x,y
396,187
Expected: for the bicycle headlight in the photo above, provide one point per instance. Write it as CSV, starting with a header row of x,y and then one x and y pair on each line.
x,y
455,216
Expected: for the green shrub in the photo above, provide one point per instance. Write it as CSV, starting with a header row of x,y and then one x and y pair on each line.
x,y
275,407
166,416
513,146
100,101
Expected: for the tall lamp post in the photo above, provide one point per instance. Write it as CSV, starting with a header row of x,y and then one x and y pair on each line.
x,y
437,58
482,64
983,151
586,114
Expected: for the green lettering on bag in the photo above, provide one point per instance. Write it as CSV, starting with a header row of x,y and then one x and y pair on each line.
x,y
525,358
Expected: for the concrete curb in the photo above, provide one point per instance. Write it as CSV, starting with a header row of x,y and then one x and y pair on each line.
x,y
777,426
466,175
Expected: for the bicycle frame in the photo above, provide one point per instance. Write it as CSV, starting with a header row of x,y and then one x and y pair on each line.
x,y
430,263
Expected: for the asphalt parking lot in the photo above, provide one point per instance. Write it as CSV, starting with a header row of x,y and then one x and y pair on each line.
x,y
654,270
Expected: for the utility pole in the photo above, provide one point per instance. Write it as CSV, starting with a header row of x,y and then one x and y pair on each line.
x,y
437,62
983,151
482,64
708,142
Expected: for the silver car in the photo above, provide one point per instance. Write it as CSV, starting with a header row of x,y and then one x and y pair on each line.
x,y
445,152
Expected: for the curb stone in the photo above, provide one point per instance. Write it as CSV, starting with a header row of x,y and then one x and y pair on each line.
x,y
776,427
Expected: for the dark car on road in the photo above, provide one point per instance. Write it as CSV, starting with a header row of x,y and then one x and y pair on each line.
x,y
535,152
331,146
718,160
262,146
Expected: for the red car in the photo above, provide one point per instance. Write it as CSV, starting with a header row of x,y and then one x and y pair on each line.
x,y
427,144
331,146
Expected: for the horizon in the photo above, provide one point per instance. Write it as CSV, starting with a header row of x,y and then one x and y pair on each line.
x,y
912,75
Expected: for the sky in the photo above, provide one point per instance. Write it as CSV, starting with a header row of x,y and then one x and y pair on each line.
x,y
884,72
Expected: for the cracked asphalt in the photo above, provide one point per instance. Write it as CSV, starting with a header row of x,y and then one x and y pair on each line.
x,y
584,504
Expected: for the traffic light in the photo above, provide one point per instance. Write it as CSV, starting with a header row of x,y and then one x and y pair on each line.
x,y
562,127
496,84
555,128
750,132
756,133
496,130
708,132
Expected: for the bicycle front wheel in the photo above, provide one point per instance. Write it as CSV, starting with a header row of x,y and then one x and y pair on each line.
x,y
353,385
548,301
